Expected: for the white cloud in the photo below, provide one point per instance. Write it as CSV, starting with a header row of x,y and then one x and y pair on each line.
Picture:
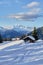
x,y
32,4
28,16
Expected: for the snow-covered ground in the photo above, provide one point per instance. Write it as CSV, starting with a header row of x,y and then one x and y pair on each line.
x,y
21,53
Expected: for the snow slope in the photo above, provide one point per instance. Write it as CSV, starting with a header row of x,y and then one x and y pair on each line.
x,y
21,53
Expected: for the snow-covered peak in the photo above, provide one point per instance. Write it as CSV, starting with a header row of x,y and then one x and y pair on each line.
x,y
17,26
8,27
23,27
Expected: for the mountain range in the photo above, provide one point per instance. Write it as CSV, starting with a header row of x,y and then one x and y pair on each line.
x,y
15,31
18,31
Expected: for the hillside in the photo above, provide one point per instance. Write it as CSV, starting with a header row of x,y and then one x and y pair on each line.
x,y
21,53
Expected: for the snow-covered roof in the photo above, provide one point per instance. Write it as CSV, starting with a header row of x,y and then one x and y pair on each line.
x,y
31,37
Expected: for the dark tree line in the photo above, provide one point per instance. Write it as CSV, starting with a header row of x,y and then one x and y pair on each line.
x,y
1,39
35,33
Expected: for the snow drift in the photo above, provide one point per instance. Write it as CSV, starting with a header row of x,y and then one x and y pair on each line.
x,y
21,53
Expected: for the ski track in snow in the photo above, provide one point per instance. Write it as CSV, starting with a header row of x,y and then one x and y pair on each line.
x,y
21,53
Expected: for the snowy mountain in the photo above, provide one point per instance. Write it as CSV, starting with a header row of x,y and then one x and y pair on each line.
x,y
40,32
15,31
21,53
19,30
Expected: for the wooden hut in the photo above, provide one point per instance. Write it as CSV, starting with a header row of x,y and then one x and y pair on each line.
x,y
29,38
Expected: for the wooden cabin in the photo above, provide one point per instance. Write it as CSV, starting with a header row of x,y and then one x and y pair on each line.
x,y
29,38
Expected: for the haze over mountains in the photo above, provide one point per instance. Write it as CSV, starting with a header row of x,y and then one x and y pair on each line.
x,y
19,30
15,31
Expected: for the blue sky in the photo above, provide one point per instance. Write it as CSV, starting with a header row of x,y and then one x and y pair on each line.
x,y
23,12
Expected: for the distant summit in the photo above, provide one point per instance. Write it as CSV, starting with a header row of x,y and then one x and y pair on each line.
x,y
19,30
14,31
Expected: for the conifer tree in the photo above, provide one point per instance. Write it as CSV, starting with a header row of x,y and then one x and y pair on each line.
x,y
35,34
